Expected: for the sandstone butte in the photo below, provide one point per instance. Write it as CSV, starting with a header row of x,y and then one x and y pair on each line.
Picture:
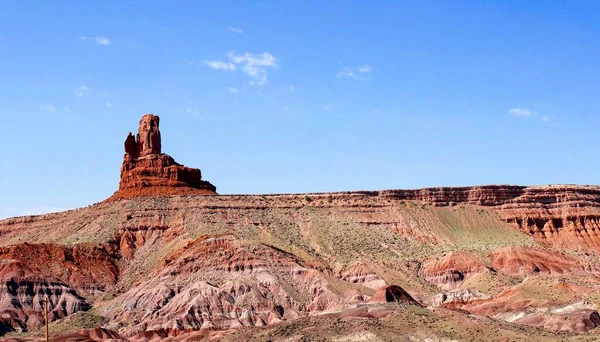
x,y
166,258
147,171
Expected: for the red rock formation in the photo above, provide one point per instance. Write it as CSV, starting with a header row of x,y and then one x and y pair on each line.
x,y
565,216
148,172
361,274
579,321
449,271
83,267
459,299
22,294
527,260
488,195
148,137
131,147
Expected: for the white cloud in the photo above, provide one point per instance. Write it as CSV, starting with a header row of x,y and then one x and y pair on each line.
x,y
103,41
522,112
98,39
290,88
218,65
192,112
352,72
236,30
108,105
81,91
233,90
67,110
364,69
347,73
253,65
48,108
328,107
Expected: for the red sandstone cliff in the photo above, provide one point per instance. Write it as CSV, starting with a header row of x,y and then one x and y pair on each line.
x,y
565,216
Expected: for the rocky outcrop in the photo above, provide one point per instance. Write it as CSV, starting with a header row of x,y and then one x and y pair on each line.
x,y
450,270
488,195
496,195
527,260
84,267
148,137
580,321
460,298
565,216
361,274
22,296
148,172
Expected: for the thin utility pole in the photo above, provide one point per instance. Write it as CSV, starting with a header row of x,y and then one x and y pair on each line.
x,y
46,316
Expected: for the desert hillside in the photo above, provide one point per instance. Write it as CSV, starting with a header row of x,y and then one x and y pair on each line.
x,y
504,260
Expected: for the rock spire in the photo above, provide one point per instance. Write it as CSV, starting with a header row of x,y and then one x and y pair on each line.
x,y
146,171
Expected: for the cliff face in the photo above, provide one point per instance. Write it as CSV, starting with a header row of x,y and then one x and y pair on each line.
x,y
566,216
198,266
159,174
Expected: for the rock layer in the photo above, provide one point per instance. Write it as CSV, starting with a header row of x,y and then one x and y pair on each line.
x,y
22,296
451,270
527,260
565,216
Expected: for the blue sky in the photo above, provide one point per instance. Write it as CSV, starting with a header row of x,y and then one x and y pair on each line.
x,y
304,96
